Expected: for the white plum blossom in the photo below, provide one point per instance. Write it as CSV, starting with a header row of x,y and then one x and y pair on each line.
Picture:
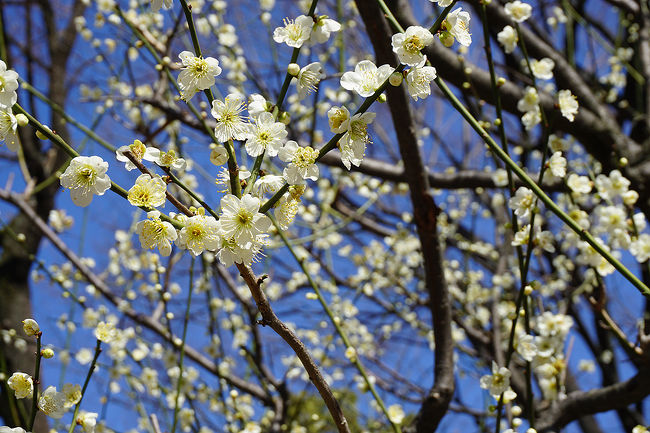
x,y
557,164
148,191
531,118
8,86
153,232
295,32
322,29
302,163
497,382
169,159
21,384
568,104
139,151
256,105
508,38
308,78
60,220
530,100
199,234
457,24
522,202
579,184
366,78
88,421
408,45
267,184
543,68
265,135
339,119
230,123
86,176
640,248
241,220
518,11
52,403
353,143
612,186
8,129
418,80
198,73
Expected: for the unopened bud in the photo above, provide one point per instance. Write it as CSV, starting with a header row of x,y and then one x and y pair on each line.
x,y
47,353
22,119
395,79
293,69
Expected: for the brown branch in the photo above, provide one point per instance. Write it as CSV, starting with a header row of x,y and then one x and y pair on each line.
x,y
270,319
173,200
425,213
581,403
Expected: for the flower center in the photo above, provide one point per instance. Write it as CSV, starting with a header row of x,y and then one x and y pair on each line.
x,y
86,176
413,44
244,217
304,157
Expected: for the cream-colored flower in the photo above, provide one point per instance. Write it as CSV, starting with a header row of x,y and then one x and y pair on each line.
x,y
52,403
230,123
153,232
353,144
508,38
408,45
543,68
418,80
568,104
366,78
198,73
497,382
148,191
199,234
295,32
339,119
8,128
308,79
72,394
302,163
241,220
85,177
105,332
21,384
88,421
139,152
518,11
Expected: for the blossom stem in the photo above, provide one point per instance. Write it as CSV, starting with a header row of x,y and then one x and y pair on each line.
x,y
186,320
37,372
192,194
93,364
336,323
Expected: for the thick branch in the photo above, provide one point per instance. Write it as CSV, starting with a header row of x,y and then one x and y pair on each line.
x,y
425,213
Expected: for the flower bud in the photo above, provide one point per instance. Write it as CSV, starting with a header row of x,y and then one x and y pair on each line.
x,y
395,79
47,353
293,69
42,136
447,39
30,326
22,119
